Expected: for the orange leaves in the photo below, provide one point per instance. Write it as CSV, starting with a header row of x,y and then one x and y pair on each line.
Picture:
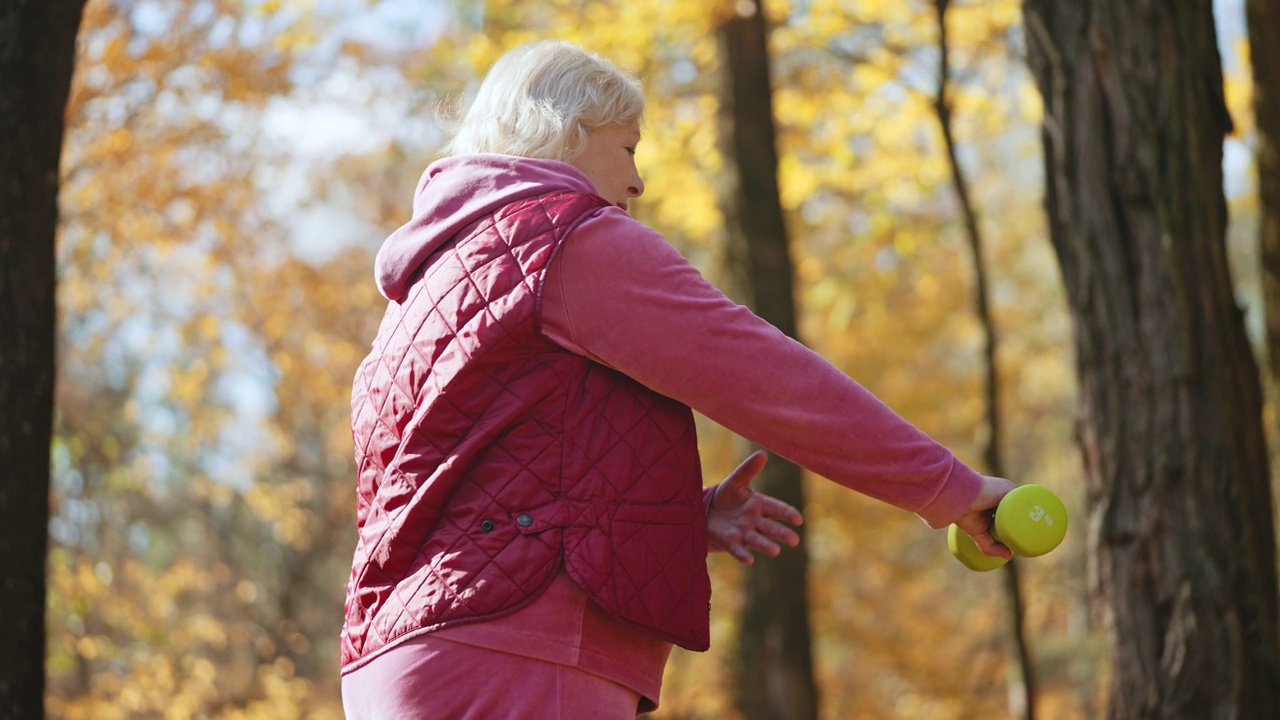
x,y
208,359
166,582
885,284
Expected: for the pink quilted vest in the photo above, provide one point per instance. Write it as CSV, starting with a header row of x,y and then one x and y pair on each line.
x,y
489,457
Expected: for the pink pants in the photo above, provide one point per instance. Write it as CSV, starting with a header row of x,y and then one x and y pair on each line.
x,y
453,681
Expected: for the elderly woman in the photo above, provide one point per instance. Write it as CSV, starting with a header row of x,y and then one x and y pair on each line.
x,y
532,526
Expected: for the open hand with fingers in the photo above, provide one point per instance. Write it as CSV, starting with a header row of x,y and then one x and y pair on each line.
x,y
742,521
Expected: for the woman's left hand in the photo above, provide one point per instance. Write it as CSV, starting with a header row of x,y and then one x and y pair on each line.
x,y
742,521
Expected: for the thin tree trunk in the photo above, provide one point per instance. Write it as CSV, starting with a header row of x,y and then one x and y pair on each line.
x,y
1182,540
775,665
37,51
1022,687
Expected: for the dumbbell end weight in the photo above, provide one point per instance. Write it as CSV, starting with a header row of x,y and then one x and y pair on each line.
x,y
1031,520
966,551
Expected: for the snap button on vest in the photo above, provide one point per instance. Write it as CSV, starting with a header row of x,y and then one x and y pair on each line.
x,y
486,525
525,519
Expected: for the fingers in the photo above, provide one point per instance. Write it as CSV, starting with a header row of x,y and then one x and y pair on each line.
x,y
774,508
742,554
763,535
742,476
977,524
753,542
772,530
989,546
737,491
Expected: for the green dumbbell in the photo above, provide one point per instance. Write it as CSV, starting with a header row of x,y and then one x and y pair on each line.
x,y
1030,521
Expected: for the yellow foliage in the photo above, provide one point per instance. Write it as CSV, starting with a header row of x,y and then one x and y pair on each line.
x,y
202,569
1238,88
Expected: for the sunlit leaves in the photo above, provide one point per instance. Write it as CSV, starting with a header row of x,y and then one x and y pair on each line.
x,y
203,472
884,274
168,453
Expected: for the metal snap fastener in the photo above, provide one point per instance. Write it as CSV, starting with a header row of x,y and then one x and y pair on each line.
x,y
525,519
486,525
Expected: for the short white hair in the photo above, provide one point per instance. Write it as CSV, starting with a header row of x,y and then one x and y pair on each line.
x,y
539,100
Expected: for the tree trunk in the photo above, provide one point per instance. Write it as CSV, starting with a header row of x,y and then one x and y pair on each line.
x,y
1022,683
37,51
1181,535
1264,51
775,670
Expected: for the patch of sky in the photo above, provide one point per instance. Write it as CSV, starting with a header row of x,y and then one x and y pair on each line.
x,y
139,537
244,387
151,18
1237,165
74,523
247,390
321,231
74,519
251,30
202,11
169,106
684,71
1237,153
386,28
1229,18
399,25
222,32
920,71
130,340
893,92
323,129
64,471
355,110
887,259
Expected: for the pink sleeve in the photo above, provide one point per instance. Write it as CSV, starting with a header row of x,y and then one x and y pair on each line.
x,y
620,294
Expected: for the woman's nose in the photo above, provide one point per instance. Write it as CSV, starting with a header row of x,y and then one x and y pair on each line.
x,y
636,188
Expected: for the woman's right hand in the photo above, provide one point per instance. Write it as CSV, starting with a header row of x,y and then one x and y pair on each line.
x,y
979,518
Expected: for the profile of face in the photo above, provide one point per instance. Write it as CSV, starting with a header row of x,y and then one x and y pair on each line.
x,y
609,162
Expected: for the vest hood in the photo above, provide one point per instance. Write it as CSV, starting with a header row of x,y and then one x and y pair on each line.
x,y
455,192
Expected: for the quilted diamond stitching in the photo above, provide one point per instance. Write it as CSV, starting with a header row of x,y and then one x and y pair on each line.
x,y
481,287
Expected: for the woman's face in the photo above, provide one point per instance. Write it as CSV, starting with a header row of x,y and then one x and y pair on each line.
x,y
609,162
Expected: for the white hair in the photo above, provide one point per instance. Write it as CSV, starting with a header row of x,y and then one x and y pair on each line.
x,y
539,100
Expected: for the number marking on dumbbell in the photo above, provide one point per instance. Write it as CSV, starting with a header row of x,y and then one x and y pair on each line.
x,y
1038,514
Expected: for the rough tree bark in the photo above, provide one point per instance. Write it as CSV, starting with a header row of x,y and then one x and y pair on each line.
x,y
775,665
1022,690
1181,537
37,50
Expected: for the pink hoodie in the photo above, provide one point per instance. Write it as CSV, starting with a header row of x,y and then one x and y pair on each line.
x,y
619,294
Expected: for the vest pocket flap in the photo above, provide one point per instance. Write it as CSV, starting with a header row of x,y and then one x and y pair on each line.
x,y
558,514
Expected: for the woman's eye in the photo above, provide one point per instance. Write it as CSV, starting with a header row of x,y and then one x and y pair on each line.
x,y
631,150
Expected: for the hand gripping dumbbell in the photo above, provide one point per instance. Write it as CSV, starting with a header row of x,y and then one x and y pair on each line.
x,y
1030,521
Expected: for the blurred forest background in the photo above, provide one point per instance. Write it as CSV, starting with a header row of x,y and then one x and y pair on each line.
x,y
229,170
